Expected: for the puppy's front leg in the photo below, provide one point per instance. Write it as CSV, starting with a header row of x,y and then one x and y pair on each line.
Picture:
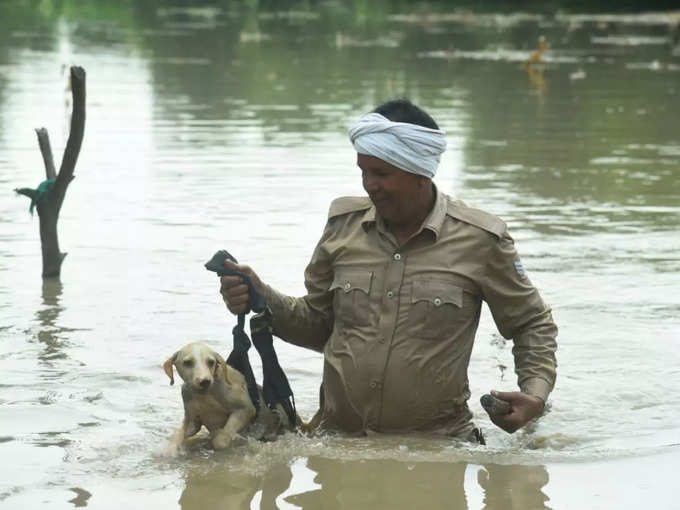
x,y
188,428
235,423
175,441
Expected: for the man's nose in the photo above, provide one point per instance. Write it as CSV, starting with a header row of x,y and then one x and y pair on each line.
x,y
370,183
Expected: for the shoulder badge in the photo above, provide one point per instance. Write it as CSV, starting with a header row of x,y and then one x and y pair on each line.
x,y
345,205
482,219
519,267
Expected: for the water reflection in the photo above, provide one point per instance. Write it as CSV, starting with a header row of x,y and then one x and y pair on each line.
x,y
319,482
384,483
223,487
48,316
513,487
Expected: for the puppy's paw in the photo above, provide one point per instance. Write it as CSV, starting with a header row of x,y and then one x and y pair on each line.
x,y
222,440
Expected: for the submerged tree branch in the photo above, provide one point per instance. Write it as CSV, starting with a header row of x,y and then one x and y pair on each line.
x,y
46,151
75,139
49,195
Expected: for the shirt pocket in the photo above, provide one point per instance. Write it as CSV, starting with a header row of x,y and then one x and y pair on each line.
x,y
436,308
351,297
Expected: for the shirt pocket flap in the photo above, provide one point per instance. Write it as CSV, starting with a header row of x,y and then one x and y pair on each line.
x,y
348,281
437,292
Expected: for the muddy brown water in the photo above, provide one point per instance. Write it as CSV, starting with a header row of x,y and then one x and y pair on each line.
x,y
225,127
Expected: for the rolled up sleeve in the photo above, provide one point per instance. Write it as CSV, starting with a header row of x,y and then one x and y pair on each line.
x,y
306,321
521,315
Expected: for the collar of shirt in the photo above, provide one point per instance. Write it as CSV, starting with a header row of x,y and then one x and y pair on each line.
x,y
433,222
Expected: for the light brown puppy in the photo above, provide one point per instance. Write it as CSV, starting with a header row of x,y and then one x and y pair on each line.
x,y
214,394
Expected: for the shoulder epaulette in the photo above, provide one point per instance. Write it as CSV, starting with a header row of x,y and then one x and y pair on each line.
x,y
345,205
482,219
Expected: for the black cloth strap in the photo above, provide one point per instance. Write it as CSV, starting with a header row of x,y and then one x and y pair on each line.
x,y
239,360
275,386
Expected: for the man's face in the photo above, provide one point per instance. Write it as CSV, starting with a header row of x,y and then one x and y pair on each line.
x,y
394,192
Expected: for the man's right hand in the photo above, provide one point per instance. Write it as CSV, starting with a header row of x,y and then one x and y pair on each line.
x,y
523,409
234,289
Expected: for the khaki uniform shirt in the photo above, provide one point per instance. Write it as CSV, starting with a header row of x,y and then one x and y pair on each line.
x,y
396,323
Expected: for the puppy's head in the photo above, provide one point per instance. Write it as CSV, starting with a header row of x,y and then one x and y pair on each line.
x,y
198,365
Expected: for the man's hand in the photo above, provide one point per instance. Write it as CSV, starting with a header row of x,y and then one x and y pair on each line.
x,y
523,409
234,289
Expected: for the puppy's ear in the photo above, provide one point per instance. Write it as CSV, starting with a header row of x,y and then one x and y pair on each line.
x,y
222,365
167,366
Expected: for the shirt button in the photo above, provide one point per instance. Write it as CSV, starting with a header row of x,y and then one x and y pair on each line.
x,y
348,285
373,384
397,256
390,294
381,339
437,301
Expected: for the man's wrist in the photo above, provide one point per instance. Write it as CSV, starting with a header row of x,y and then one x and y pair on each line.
x,y
536,387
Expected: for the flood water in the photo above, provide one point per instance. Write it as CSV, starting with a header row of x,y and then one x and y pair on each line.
x,y
225,127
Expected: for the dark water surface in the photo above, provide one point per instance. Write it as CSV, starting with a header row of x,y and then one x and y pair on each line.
x,y
225,126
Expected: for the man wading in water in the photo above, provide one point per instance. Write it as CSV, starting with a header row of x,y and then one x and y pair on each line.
x,y
394,293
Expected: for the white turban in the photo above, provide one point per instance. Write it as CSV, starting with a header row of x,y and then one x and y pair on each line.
x,y
410,147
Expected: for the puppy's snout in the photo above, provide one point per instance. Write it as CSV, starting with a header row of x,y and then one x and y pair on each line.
x,y
204,383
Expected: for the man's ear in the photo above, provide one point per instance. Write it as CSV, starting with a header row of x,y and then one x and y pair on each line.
x,y
222,366
167,366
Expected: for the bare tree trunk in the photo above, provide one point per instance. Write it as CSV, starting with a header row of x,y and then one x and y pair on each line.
x,y
49,197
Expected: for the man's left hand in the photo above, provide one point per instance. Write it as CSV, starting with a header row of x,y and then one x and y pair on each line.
x,y
523,409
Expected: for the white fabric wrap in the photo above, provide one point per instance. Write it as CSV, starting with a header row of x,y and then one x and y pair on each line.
x,y
410,147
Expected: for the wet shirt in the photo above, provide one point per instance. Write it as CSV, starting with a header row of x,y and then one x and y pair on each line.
x,y
397,323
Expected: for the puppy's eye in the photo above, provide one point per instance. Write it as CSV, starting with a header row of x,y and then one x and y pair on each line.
x,y
211,362
188,363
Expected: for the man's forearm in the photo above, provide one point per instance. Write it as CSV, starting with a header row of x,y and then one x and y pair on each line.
x,y
297,321
535,363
